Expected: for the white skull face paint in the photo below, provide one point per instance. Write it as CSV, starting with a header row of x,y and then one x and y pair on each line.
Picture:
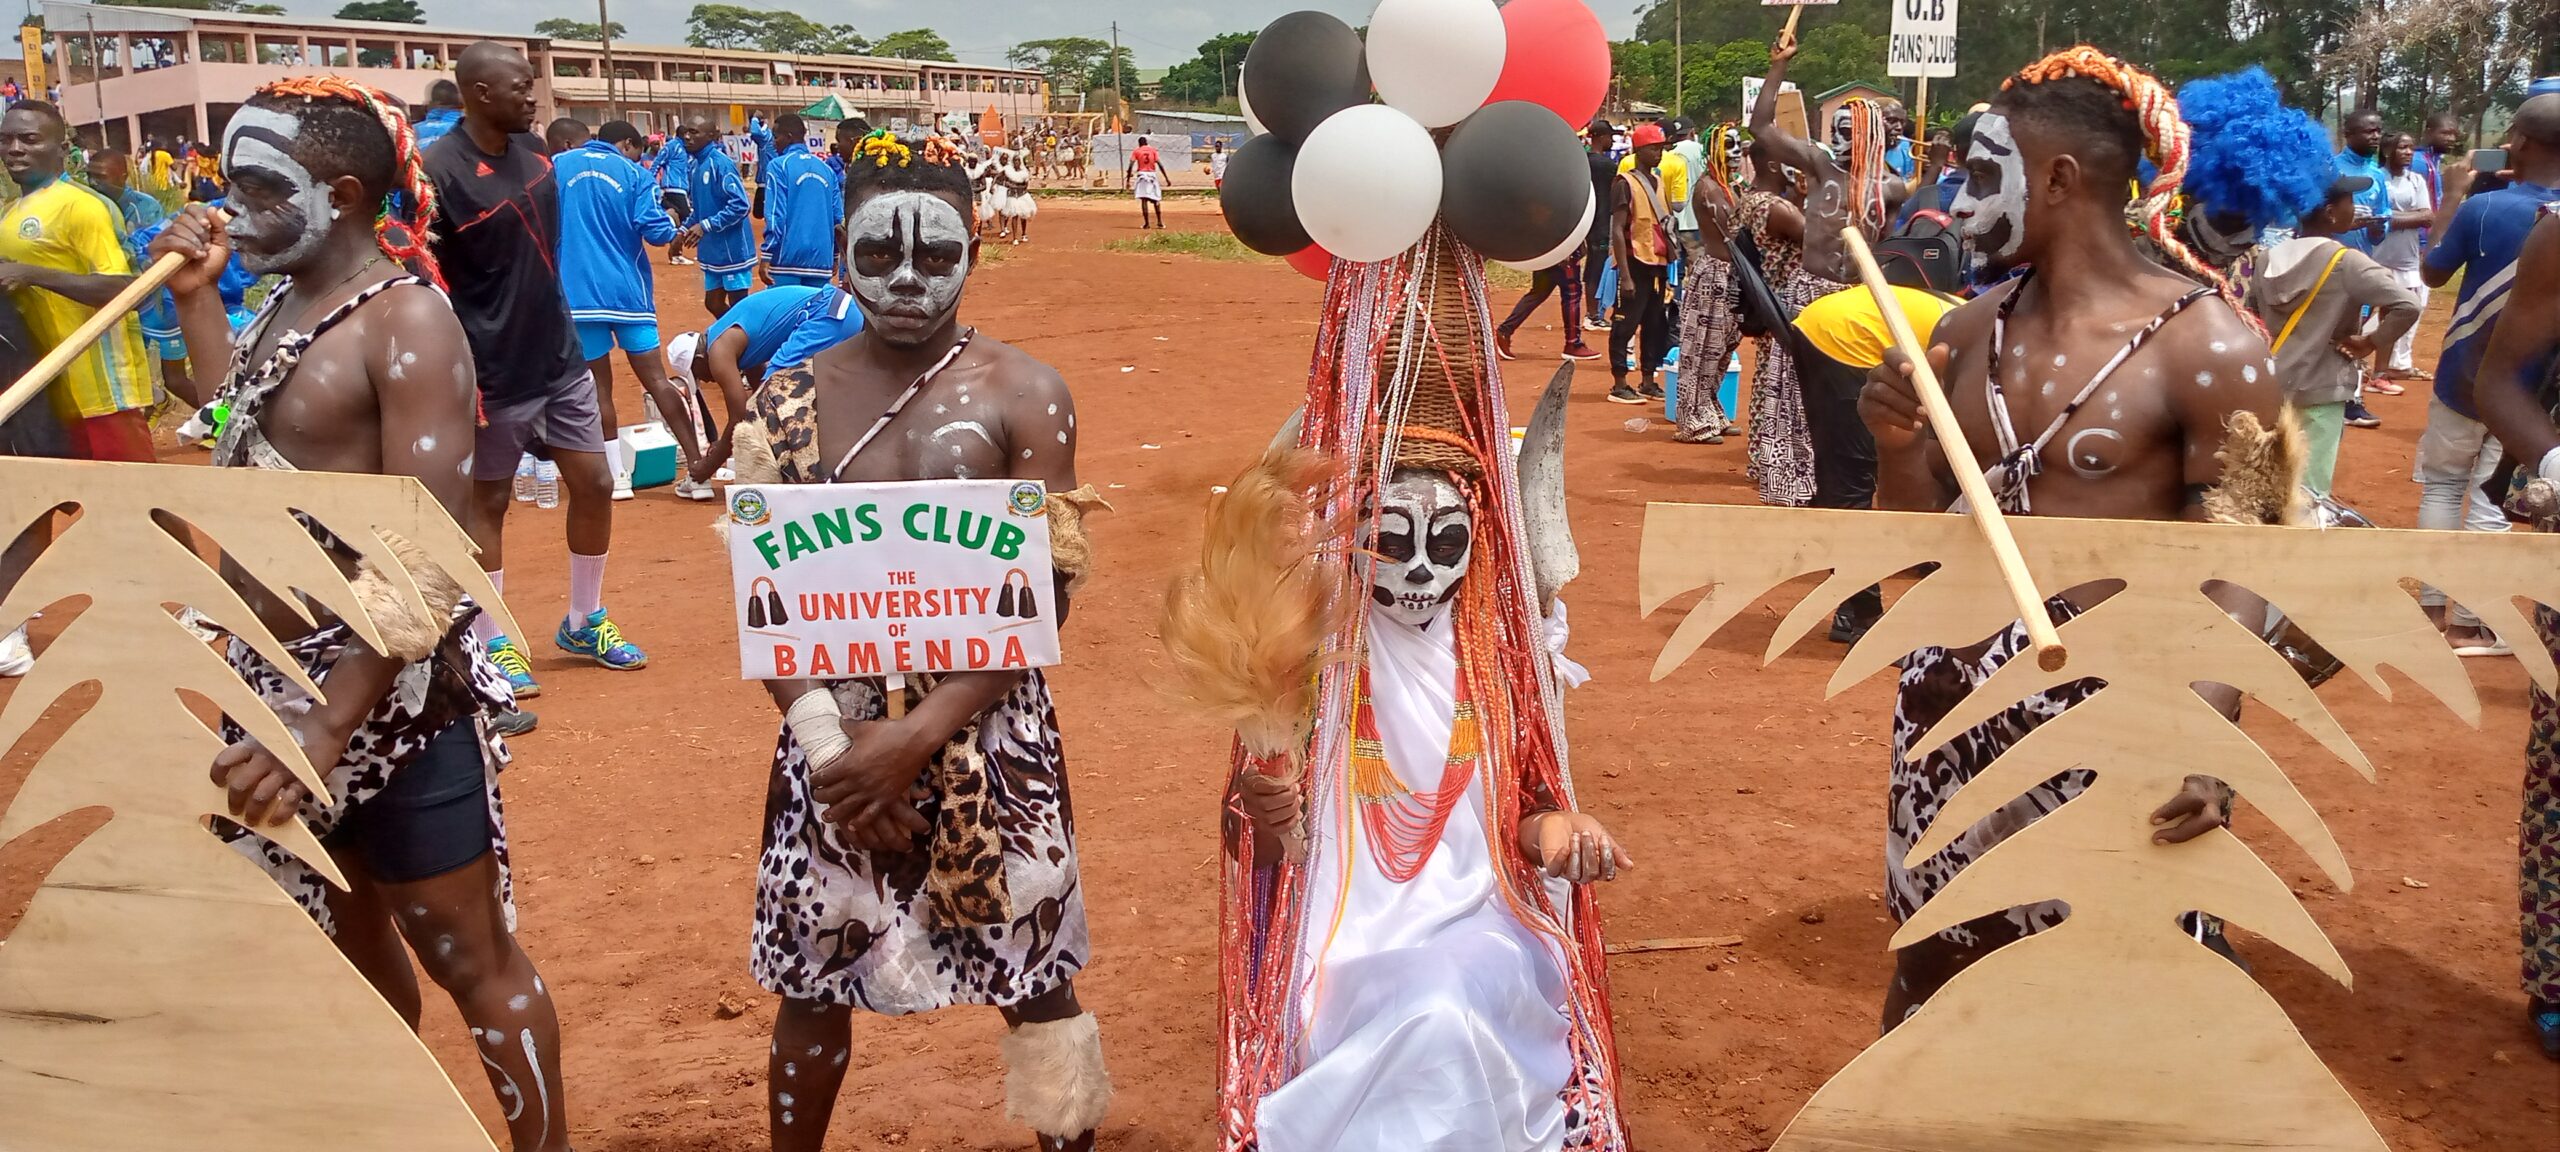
x,y
1990,211
907,258
283,212
1425,535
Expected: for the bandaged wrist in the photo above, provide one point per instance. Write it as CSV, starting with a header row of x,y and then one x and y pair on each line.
x,y
818,725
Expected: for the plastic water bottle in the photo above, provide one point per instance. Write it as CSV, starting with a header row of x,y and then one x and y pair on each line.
x,y
1639,425
546,484
524,479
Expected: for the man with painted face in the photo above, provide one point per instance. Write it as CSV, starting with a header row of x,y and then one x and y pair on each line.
x,y
2098,384
865,895
716,230
357,364
496,238
1852,185
62,257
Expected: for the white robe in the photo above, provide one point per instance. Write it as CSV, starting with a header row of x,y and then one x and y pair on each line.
x,y
1436,1019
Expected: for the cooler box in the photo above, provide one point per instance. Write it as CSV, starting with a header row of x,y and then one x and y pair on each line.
x,y
653,454
1727,393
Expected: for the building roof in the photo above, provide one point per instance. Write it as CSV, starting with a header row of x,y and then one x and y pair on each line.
x,y
1198,117
689,52
1852,86
62,17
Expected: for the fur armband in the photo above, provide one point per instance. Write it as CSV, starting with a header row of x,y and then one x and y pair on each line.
x,y
406,637
1054,1077
2262,471
1070,550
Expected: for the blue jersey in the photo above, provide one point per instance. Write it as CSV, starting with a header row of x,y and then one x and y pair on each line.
x,y
2374,203
2482,242
609,212
720,210
829,326
803,202
674,167
437,122
768,318
762,135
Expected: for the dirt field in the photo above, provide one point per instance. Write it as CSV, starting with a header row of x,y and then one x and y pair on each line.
x,y
1754,807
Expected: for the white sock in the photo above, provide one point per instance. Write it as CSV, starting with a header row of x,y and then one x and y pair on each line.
x,y
613,456
485,625
586,589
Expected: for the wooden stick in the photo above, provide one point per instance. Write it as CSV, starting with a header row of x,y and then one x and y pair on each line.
x,y
1920,122
1978,499
31,385
1795,12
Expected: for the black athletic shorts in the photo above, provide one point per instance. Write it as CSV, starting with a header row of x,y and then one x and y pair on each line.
x,y
676,201
432,819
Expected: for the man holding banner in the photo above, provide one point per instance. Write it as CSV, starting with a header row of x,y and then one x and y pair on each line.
x,y
919,850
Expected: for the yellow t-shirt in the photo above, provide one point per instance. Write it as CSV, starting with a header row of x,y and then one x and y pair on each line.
x,y
71,229
1846,326
1673,172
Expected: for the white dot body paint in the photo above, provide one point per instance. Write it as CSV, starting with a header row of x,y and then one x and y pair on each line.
x,y
537,985
814,1050
444,946
1994,221
259,138
417,909
2059,361
839,1060
518,1002
786,1118
1062,437
426,443
2204,379
2219,346
1026,453
465,467
2248,373
782,1098
1053,409
2047,389
790,1070
1071,419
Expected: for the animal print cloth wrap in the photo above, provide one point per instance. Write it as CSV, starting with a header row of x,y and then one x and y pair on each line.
x,y
1780,443
458,684
1708,336
987,907
2538,838
1934,681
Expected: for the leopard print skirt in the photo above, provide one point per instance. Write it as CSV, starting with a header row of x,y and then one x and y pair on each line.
x,y
426,698
842,926
1934,681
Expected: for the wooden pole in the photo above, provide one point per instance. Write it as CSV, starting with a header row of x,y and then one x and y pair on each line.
x,y
31,385
1920,120
1795,12
1978,499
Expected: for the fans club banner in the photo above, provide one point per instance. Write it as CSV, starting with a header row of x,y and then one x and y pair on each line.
x,y
840,580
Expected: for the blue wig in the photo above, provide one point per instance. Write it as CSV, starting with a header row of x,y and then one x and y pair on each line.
x,y
2253,157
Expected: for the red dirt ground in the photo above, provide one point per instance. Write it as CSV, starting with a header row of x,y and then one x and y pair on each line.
x,y
1754,807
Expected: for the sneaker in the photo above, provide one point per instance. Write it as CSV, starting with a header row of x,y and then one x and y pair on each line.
x,y
524,478
1502,346
1652,390
621,485
16,658
1594,324
2359,416
1578,350
2383,386
546,484
688,489
2545,1019
1621,394
514,722
680,261
519,671
602,642
724,476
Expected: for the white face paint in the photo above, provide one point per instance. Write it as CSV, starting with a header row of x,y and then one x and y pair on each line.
x,y
284,213
1425,535
2082,450
1990,211
907,259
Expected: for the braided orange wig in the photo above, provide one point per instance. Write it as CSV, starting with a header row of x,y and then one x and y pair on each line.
x,y
403,241
2165,141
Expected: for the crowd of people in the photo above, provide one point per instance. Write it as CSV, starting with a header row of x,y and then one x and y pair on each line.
x,y
442,299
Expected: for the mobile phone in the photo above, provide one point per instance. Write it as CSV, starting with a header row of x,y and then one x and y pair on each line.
x,y
2488,159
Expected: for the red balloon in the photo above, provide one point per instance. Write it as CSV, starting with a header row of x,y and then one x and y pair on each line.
x,y
1558,56
1312,261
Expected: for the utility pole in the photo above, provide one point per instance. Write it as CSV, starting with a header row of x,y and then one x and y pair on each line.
x,y
1117,93
1679,61
604,32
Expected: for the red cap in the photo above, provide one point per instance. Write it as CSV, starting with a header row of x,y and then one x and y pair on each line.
x,y
1646,134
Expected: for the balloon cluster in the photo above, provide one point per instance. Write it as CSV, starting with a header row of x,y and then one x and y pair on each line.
x,y
1474,125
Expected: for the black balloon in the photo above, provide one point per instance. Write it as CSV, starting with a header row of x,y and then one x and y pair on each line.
x,y
1260,208
1304,67
1515,180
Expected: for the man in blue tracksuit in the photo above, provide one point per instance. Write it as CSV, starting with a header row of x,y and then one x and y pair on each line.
x,y
802,205
762,137
674,170
609,215
717,228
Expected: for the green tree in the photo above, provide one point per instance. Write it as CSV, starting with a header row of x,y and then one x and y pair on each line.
x,y
575,30
914,44
1210,77
1065,60
1100,77
384,11
723,26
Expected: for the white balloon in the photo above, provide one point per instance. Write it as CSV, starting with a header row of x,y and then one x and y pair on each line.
x,y
1367,183
1436,60
1252,123
1572,244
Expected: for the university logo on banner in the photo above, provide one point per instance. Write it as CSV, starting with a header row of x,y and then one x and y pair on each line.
x,y
839,580
1923,42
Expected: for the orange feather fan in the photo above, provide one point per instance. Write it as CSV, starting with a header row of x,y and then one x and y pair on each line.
x,y
1248,630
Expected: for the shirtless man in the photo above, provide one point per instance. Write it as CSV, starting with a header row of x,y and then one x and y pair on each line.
x,y
1851,181
845,917
2049,171
357,365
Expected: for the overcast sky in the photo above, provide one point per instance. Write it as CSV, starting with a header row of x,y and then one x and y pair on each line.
x,y
1161,33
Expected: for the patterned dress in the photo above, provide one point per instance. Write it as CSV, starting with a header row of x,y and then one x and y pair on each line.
x,y
918,930
1708,336
459,684
2538,839
1781,447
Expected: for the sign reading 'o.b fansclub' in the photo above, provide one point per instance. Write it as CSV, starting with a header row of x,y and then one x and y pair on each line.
x,y
839,580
